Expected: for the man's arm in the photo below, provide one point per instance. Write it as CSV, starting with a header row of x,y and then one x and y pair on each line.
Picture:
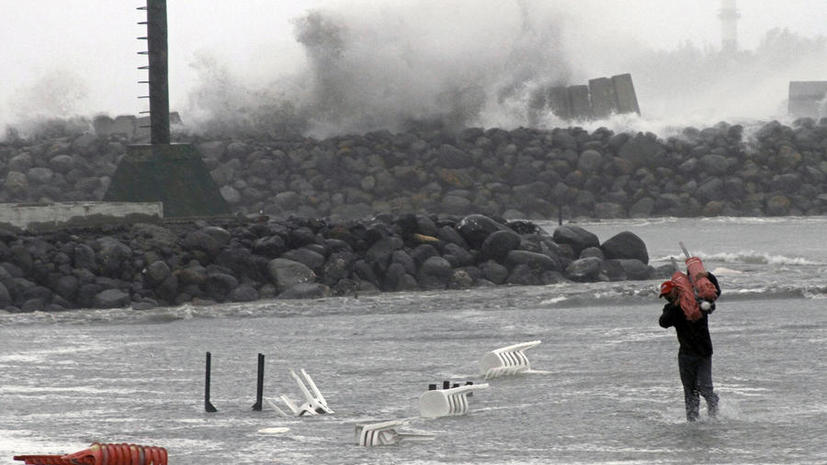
x,y
714,281
667,318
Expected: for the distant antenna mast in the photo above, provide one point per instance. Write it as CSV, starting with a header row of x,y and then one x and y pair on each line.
x,y
729,26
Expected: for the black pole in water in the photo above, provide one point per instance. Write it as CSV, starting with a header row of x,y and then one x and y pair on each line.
x,y
259,383
560,215
207,404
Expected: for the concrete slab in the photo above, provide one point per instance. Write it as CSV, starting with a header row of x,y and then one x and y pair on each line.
x,y
604,100
807,98
625,94
559,103
50,216
581,107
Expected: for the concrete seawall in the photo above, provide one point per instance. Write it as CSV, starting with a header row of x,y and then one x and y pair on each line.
x,y
45,216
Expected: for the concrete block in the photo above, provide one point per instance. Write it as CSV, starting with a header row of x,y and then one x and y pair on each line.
x,y
559,103
604,100
807,98
122,125
625,94
173,174
581,107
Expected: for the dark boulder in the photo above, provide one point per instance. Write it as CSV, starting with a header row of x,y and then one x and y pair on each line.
x,y
533,260
625,245
584,269
111,298
497,245
475,229
635,269
575,236
305,291
435,273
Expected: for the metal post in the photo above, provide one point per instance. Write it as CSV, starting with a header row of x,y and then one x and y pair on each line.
x,y
158,71
207,404
259,383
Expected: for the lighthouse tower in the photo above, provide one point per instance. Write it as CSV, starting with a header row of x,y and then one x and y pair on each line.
x,y
729,26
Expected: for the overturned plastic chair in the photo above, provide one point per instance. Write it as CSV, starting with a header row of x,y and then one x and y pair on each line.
x,y
509,360
447,402
385,434
315,403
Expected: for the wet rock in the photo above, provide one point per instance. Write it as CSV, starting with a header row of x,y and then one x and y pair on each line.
x,y
305,291
575,236
584,269
287,273
497,245
476,228
625,245
111,298
434,273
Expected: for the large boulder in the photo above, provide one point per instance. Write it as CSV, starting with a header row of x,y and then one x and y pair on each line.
x,y
435,273
112,255
534,260
584,270
625,245
576,237
497,245
634,268
475,229
111,298
305,291
286,273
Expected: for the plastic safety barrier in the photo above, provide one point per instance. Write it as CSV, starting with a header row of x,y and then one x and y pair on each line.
x,y
103,454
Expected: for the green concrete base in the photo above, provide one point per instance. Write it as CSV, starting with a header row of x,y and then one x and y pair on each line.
x,y
173,174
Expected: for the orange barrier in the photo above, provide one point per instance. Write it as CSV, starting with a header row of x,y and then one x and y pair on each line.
x,y
686,296
697,274
103,454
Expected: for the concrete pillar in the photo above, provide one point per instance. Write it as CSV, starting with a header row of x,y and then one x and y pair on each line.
x,y
581,107
604,100
625,92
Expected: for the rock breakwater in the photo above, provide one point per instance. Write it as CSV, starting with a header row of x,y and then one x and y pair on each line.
x,y
147,265
522,173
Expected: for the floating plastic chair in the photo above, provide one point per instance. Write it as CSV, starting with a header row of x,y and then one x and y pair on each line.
x,y
315,403
447,402
103,454
385,434
509,360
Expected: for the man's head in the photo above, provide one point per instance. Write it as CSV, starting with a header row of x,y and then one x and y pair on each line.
x,y
668,290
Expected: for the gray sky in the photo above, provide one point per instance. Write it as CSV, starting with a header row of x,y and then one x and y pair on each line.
x,y
79,56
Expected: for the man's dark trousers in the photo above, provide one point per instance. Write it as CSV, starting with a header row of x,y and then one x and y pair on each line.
x,y
696,376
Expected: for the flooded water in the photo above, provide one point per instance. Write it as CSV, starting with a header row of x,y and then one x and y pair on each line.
x,y
611,394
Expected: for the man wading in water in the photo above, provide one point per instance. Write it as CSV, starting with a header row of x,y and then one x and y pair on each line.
x,y
695,353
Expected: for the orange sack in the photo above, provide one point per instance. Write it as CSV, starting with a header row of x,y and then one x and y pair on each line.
x,y
686,296
704,288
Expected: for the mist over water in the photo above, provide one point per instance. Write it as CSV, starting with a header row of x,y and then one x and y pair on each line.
x,y
361,66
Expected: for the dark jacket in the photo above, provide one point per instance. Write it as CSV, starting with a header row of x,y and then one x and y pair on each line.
x,y
693,336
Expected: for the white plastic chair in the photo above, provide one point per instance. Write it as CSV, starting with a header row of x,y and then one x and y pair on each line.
x,y
447,402
509,360
315,403
385,434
